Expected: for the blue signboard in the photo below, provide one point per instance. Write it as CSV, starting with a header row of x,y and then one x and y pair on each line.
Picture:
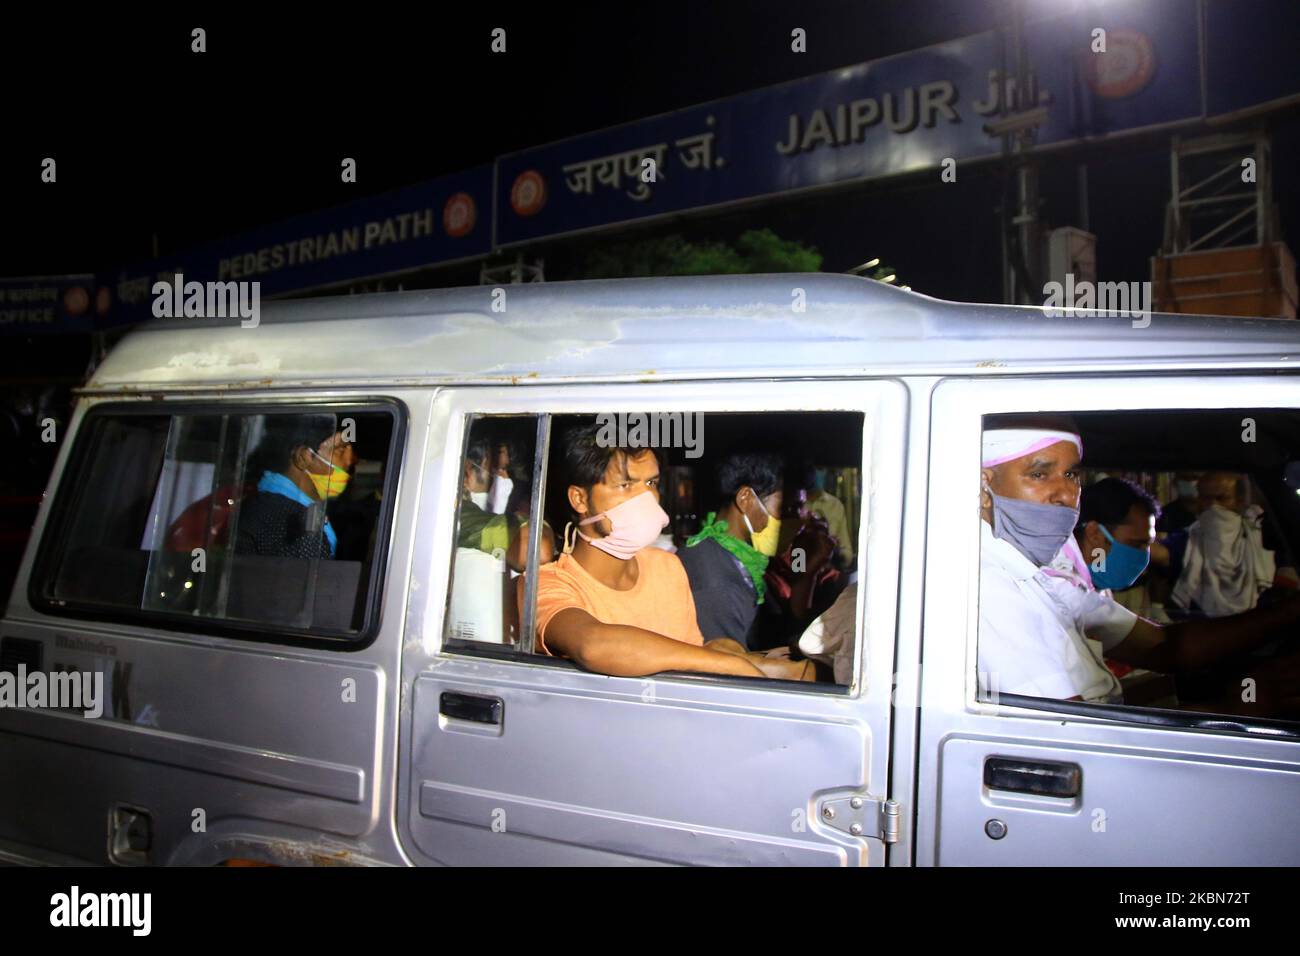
x,y
899,114
1102,70
44,304
443,220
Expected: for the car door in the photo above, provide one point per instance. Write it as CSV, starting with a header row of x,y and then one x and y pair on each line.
x,y
245,708
511,758
1046,783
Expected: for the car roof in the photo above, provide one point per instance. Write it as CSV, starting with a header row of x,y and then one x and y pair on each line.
x,y
697,327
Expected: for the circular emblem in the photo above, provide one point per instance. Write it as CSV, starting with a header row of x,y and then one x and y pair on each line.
x,y
76,301
1126,67
528,194
459,215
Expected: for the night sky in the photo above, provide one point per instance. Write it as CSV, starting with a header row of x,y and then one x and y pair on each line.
x,y
153,140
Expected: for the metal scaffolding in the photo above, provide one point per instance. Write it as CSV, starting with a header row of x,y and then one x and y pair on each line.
x,y
1218,200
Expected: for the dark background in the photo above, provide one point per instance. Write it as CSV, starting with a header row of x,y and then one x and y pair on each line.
x,y
153,140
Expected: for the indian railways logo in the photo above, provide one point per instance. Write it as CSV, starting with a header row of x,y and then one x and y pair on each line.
x,y
76,301
1126,67
528,194
459,215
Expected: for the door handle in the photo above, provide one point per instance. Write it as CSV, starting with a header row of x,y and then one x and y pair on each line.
x,y
130,835
482,710
1044,777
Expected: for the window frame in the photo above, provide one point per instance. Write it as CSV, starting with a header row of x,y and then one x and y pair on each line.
x,y
959,407
537,496
68,497
872,398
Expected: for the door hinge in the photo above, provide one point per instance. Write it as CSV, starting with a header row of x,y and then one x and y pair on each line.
x,y
861,815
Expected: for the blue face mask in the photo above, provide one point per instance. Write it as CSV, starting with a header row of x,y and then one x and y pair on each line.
x,y
1124,564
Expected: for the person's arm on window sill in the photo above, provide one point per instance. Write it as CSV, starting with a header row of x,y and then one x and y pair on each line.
x,y
624,651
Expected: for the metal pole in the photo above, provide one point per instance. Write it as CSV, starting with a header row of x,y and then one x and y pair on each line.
x,y
1027,171
1004,221
528,630
1083,197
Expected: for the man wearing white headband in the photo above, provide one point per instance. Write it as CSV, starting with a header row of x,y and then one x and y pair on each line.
x,y
1032,630
1034,626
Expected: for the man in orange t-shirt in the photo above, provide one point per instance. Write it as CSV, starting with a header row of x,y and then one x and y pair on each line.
x,y
613,603
660,594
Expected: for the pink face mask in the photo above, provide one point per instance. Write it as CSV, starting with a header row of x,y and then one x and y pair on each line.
x,y
635,523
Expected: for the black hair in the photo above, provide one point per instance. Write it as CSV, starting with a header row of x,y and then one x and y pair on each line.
x,y
520,467
1109,501
762,472
480,447
285,434
808,476
586,458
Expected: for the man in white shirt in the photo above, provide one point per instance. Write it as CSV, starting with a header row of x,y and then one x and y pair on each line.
x,y
829,639
1034,626
1225,565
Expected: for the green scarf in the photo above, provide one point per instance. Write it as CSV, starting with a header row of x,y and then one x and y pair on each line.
x,y
754,561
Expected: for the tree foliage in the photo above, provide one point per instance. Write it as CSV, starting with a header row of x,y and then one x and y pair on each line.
x,y
755,250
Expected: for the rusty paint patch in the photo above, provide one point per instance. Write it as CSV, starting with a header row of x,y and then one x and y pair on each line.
x,y
286,853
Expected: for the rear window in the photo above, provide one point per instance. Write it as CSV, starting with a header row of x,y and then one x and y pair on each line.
x,y
245,520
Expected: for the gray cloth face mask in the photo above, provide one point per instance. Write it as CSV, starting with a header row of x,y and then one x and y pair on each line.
x,y
1037,531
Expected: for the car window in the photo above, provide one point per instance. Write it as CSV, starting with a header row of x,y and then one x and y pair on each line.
x,y
1174,586
494,484
807,582
244,519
